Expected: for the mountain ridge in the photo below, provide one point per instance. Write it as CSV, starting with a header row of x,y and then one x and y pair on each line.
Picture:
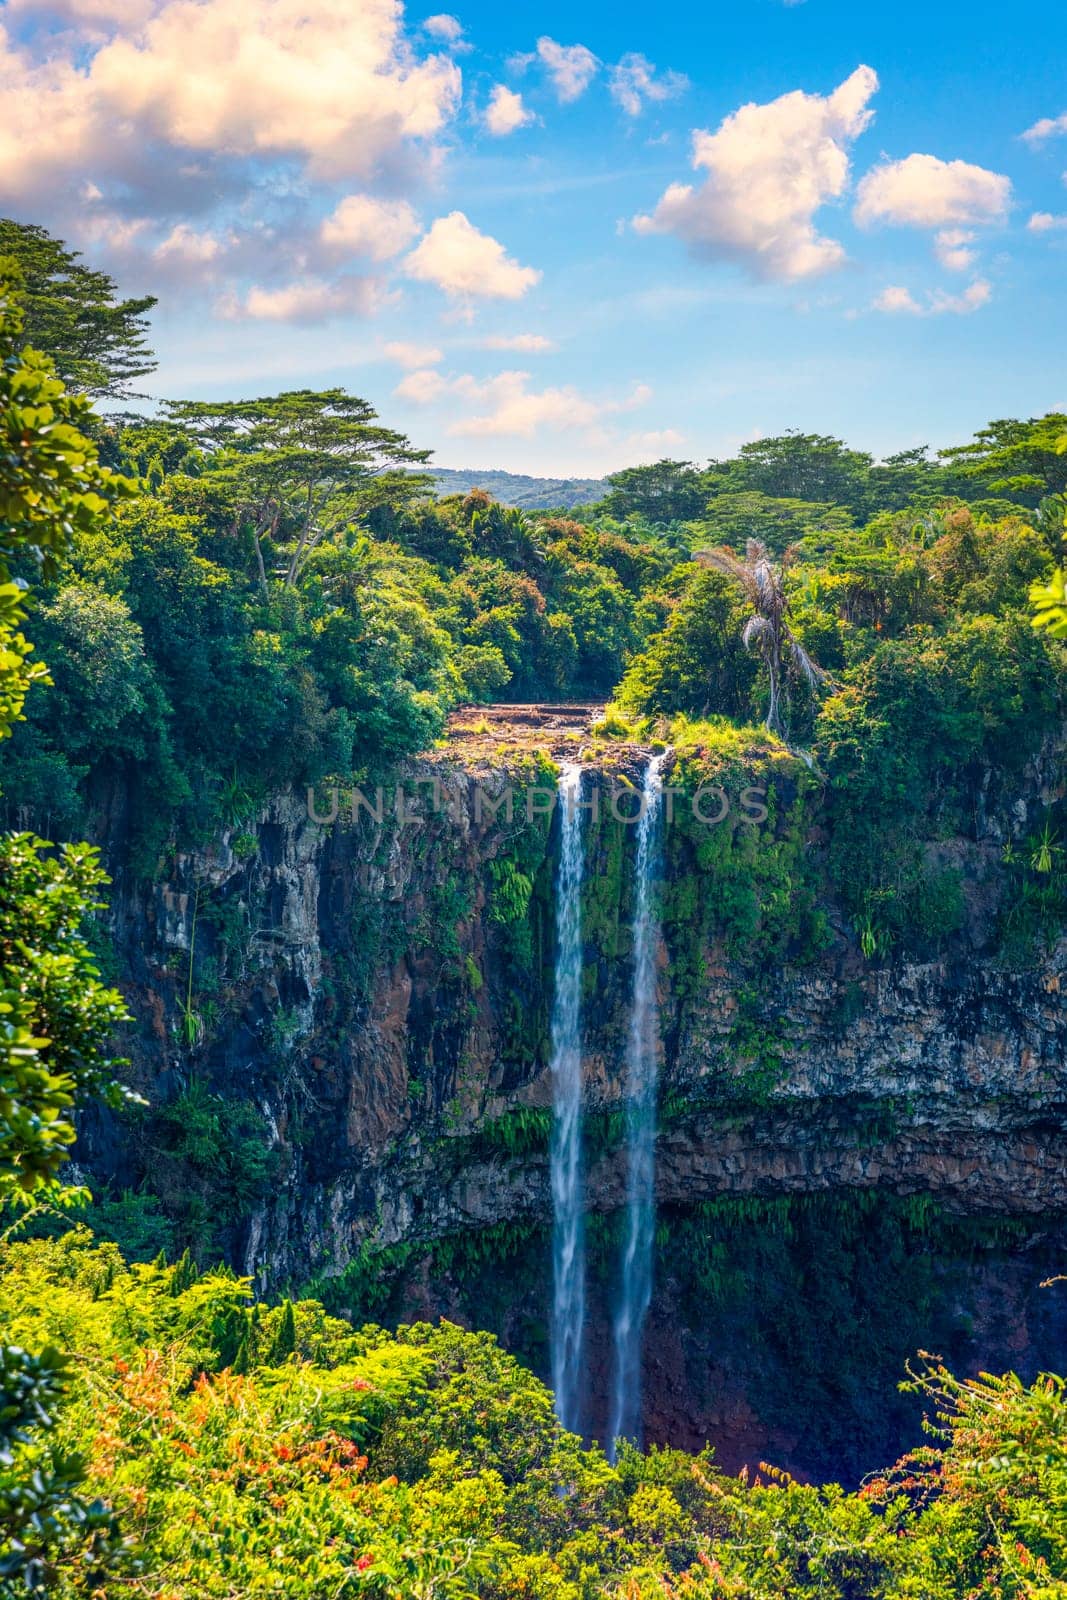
x,y
519,488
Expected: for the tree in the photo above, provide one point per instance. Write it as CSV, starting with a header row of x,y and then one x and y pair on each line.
x,y
801,466
667,491
1025,460
73,314
776,522
300,467
55,1015
766,633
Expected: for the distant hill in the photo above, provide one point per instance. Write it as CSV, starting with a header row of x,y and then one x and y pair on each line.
x,y
516,489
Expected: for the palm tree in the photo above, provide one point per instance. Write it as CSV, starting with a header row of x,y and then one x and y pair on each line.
x,y
767,632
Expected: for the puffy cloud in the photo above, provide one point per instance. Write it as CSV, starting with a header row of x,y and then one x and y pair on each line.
x,y
897,300
633,81
363,226
91,13
769,169
1045,222
512,408
447,28
412,355
951,248
334,85
973,297
506,112
184,244
571,67
422,387
1046,128
506,406
528,343
924,192
467,264
308,300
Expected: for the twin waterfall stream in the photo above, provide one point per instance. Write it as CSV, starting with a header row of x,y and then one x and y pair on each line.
x,y
634,1290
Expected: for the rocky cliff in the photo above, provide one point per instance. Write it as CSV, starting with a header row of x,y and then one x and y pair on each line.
x,y
374,988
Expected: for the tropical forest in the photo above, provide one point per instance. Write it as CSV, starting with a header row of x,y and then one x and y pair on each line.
x,y
533,1003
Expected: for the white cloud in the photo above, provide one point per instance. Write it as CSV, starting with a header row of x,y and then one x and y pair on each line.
x,y
951,248
334,85
653,445
506,406
1046,128
186,245
898,300
422,387
572,67
633,81
1045,222
894,298
506,112
529,343
103,13
363,226
924,192
512,408
308,301
447,28
770,167
412,355
468,264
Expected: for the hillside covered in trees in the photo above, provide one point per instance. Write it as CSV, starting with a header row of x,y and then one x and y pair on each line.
x,y
208,606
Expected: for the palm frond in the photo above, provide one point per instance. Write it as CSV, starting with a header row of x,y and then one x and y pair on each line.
x,y
814,675
758,633
725,561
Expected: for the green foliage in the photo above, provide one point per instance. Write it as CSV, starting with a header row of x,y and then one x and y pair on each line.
x,y
524,1131
668,491
55,1015
210,1164
47,1529
1022,459
429,1464
1049,601
97,342
511,892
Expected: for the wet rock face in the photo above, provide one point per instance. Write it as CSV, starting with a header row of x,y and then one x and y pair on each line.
x,y
379,988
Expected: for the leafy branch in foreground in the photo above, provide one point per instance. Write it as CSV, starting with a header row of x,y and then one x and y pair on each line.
x,y
55,1015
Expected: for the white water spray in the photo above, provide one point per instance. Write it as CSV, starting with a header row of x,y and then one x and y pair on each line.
x,y
642,1072
568,1230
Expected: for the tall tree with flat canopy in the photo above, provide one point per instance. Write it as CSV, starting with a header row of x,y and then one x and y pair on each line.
x,y
1021,459
300,467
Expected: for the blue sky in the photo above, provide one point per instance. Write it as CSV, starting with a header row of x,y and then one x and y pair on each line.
x,y
489,221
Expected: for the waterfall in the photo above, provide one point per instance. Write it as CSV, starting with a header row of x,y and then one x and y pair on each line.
x,y
642,1068
568,1230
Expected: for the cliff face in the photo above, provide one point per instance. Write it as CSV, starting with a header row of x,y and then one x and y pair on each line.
x,y
378,988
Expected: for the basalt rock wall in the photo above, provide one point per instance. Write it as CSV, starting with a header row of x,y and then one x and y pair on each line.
x,y
377,987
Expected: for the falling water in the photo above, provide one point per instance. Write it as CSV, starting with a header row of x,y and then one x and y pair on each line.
x,y
642,1065
568,1233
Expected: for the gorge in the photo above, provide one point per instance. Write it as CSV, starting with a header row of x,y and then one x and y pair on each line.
x,y
384,1022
